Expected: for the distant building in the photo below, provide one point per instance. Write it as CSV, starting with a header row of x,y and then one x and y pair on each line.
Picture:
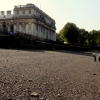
x,y
31,20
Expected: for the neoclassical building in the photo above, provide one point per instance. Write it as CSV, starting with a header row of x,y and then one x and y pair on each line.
x,y
30,19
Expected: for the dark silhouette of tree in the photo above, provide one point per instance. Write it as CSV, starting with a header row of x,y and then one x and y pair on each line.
x,y
98,39
83,36
93,37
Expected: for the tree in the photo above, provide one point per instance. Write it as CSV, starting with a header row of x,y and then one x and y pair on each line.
x,y
93,37
59,38
83,35
70,32
98,40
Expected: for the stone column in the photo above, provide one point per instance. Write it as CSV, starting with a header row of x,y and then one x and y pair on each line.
x,y
45,32
54,36
39,30
20,28
17,26
29,28
14,28
26,28
8,26
48,34
34,29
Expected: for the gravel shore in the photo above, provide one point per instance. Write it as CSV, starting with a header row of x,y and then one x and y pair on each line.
x,y
52,75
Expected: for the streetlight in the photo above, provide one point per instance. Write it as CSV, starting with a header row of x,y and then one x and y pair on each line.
x,y
4,18
4,23
11,21
11,26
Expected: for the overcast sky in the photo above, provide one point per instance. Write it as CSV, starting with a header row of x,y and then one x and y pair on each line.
x,y
84,13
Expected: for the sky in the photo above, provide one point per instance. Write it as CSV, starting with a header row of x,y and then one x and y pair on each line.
x,y
84,13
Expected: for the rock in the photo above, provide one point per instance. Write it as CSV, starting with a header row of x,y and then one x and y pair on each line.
x,y
4,66
34,94
43,98
94,73
58,95
9,99
30,80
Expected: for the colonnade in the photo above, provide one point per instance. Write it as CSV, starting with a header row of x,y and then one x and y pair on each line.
x,y
35,30
24,27
44,32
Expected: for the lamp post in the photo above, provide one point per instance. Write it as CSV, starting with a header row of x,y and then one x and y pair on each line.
x,y
4,18
4,24
11,26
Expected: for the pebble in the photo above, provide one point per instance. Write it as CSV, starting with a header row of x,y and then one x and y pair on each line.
x,y
30,80
43,98
34,94
94,73
58,95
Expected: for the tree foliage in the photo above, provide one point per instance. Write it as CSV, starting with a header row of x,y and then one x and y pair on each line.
x,y
93,37
98,39
75,36
83,36
59,38
70,33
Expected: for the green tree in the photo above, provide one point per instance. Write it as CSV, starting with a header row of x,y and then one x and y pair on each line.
x,y
83,35
59,38
98,40
93,37
70,33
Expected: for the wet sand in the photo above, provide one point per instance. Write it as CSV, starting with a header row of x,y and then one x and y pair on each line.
x,y
54,75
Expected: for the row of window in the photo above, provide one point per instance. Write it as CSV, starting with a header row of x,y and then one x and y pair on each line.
x,y
23,12
30,12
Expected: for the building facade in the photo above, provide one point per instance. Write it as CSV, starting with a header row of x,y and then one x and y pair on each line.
x,y
31,20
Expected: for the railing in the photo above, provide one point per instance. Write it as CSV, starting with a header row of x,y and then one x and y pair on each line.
x,y
29,5
19,34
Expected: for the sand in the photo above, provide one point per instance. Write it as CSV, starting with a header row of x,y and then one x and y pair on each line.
x,y
53,75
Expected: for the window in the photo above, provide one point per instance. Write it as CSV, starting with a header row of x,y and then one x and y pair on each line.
x,y
24,12
8,12
29,11
17,12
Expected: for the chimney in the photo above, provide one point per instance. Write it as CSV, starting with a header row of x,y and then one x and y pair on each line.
x,y
8,12
2,12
